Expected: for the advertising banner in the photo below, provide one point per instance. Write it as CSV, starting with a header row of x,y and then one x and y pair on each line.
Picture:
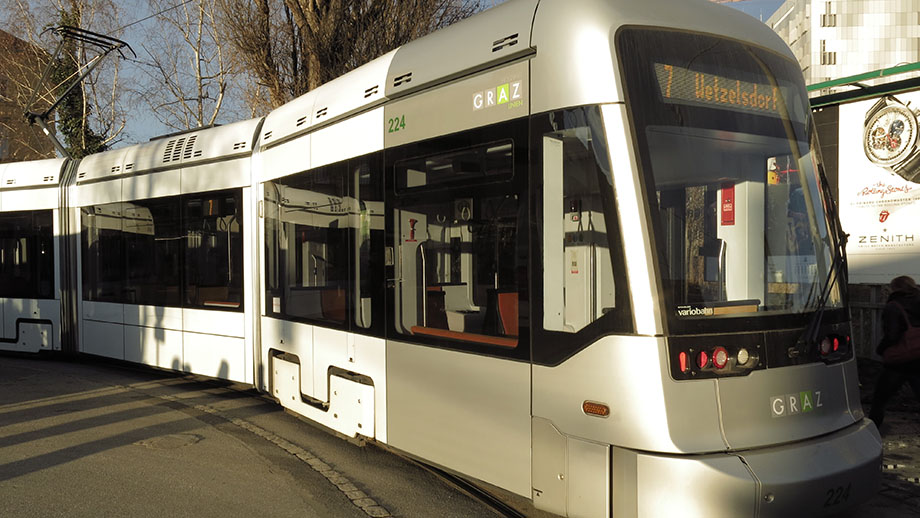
x,y
879,202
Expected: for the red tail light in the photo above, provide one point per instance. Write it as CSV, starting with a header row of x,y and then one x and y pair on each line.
x,y
720,357
703,359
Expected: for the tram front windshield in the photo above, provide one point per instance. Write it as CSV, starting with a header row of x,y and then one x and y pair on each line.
x,y
730,162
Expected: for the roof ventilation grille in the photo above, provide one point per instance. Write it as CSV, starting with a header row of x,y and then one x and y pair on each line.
x,y
177,151
267,135
189,148
301,121
507,41
403,79
116,168
129,167
371,91
239,145
167,154
321,112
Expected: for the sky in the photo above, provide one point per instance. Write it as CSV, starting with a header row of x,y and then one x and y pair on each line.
x,y
760,9
142,125
145,126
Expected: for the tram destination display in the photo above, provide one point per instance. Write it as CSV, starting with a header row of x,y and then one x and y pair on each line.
x,y
679,85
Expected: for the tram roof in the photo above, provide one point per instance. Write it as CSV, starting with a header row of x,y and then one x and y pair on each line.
x,y
34,173
502,34
568,37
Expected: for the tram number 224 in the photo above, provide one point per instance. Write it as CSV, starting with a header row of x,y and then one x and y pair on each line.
x,y
396,123
837,495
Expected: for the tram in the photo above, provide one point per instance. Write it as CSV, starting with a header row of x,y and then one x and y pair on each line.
x,y
579,250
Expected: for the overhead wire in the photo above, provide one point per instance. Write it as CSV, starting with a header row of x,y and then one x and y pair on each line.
x,y
144,19
154,15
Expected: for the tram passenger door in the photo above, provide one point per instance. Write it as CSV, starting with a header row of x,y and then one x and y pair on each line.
x,y
581,305
458,366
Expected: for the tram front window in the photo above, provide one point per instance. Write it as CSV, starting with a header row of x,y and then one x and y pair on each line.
x,y
729,156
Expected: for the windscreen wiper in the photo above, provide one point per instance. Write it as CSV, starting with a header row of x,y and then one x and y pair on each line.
x,y
838,270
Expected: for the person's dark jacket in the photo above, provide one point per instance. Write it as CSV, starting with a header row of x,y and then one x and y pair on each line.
x,y
893,324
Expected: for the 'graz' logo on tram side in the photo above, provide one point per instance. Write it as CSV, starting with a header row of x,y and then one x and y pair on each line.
x,y
511,94
794,404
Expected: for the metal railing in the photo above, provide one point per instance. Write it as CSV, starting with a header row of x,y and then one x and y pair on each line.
x,y
866,305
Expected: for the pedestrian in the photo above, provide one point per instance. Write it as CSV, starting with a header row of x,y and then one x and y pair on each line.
x,y
904,295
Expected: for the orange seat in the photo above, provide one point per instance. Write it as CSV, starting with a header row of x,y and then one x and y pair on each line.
x,y
508,312
333,302
500,341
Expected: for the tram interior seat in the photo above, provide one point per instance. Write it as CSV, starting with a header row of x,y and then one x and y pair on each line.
x,y
437,314
499,320
326,302
501,313
214,295
333,304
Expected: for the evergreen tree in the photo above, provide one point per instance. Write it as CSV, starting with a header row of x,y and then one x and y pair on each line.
x,y
72,118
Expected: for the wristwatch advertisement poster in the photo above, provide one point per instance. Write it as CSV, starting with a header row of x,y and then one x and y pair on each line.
x,y
878,180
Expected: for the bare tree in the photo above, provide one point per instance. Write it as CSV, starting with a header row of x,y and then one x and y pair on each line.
x,y
292,46
99,105
188,65
21,65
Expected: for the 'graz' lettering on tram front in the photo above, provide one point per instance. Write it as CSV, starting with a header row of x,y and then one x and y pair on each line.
x,y
798,403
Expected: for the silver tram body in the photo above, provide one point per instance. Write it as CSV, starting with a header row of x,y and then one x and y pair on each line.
x,y
566,248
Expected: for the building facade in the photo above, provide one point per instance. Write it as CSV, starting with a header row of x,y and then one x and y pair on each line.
x,y
839,38
20,66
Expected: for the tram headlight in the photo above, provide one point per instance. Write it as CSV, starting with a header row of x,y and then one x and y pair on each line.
x,y
743,356
826,346
720,357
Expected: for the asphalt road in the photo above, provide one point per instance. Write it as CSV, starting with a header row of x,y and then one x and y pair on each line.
x,y
899,495
95,439
89,439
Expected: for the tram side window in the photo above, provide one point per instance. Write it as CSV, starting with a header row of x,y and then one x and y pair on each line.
x,y
214,249
367,220
578,211
178,251
461,257
103,259
152,234
455,167
26,255
307,222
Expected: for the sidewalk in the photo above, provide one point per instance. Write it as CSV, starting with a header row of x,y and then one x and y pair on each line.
x,y
900,492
